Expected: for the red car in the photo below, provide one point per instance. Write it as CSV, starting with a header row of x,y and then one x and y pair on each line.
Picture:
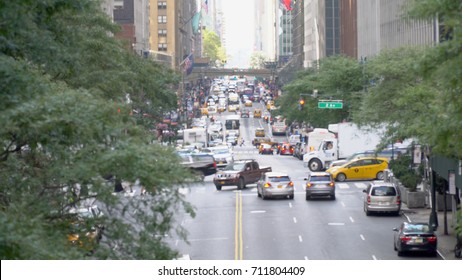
x,y
286,149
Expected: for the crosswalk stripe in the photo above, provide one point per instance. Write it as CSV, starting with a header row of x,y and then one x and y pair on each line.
x,y
343,186
360,185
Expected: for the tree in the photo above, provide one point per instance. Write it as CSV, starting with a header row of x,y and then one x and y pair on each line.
x,y
257,60
66,126
399,97
338,78
418,90
212,46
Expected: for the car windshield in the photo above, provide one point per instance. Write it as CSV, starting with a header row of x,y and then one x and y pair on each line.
x,y
416,228
277,179
320,178
383,191
235,167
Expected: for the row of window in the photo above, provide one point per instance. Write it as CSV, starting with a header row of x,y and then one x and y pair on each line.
x,y
162,5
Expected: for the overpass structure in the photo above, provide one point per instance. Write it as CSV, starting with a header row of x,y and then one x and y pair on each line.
x,y
201,72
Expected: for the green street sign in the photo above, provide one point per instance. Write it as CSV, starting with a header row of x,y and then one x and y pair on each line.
x,y
330,104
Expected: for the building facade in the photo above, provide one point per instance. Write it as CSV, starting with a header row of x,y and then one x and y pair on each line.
x,y
265,28
382,24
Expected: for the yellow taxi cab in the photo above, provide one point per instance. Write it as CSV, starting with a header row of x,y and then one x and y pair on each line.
x,y
269,104
260,132
204,112
232,108
221,108
361,168
248,103
257,113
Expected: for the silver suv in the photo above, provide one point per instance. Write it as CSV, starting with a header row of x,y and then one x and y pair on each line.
x,y
382,196
320,184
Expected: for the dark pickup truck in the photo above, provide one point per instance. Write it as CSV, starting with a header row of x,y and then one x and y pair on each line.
x,y
239,173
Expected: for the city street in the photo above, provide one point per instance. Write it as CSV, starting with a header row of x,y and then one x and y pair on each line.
x,y
232,224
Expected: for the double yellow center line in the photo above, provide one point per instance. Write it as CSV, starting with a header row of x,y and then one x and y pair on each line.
x,y
238,240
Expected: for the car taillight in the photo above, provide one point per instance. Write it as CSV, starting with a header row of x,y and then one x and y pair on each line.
x,y
405,238
308,185
368,199
331,184
291,184
267,185
431,239
214,164
398,199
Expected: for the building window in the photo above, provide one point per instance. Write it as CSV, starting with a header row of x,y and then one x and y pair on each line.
x,y
162,47
162,32
161,5
162,19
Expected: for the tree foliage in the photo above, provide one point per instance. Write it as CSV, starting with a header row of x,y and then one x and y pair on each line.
x,y
257,60
67,126
337,78
212,47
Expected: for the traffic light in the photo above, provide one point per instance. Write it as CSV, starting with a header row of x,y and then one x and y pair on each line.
x,y
301,104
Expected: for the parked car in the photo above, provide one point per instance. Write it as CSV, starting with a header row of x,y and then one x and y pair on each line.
x,y
380,196
275,184
415,237
239,173
362,168
320,184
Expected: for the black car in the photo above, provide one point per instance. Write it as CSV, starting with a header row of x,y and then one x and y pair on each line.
x,y
415,237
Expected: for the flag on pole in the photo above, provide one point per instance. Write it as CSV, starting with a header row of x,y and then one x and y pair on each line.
x,y
195,22
205,6
287,4
188,64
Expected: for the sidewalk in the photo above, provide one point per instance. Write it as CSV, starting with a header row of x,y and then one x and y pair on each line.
x,y
447,242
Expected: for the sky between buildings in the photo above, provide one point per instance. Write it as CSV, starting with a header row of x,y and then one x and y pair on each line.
x,y
239,16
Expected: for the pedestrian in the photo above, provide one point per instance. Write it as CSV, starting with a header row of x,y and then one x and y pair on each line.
x,y
118,186
242,142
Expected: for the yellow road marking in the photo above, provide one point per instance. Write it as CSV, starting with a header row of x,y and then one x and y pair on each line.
x,y
238,240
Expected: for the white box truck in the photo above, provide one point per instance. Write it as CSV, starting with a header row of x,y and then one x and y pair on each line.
x,y
197,136
349,139
310,141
